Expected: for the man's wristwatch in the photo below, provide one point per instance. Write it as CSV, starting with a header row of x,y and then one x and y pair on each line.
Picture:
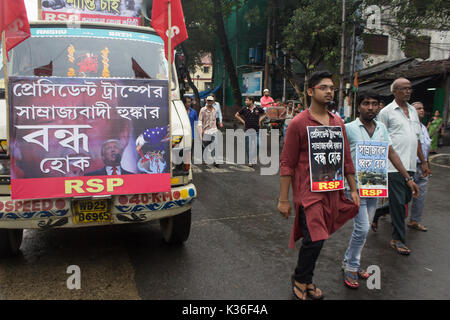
x,y
409,179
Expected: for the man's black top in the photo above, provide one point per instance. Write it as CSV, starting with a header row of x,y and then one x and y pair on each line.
x,y
251,117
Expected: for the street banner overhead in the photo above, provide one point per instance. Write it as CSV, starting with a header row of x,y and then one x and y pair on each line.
x,y
105,11
371,168
326,158
84,137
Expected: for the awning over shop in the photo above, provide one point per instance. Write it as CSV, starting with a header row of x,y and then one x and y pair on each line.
x,y
383,87
206,93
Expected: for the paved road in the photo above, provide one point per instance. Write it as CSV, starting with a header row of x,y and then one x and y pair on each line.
x,y
238,249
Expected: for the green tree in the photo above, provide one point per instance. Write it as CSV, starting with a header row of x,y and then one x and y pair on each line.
x,y
313,34
409,17
201,38
205,23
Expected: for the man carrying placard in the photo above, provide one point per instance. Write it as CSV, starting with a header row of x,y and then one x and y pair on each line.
x,y
316,136
370,147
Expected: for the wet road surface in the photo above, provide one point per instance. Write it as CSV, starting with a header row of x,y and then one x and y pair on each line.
x,y
238,249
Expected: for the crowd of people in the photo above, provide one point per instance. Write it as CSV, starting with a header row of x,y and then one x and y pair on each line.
x,y
319,214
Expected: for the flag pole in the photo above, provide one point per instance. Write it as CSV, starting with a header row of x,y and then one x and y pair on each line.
x,y
169,88
5,83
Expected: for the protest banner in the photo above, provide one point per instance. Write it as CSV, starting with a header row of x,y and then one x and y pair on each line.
x,y
326,158
88,136
105,11
371,168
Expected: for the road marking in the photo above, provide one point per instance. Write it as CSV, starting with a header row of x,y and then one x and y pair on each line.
x,y
439,155
206,221
224,168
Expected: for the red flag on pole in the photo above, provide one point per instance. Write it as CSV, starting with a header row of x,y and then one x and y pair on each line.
x,y
14,20
160,22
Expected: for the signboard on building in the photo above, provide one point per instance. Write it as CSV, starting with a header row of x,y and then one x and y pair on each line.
x,y
252,84
105,11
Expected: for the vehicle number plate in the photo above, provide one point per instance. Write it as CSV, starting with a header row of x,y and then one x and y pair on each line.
x,y
92,211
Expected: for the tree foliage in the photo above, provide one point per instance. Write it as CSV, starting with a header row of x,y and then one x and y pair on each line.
x,y
409,17
204,27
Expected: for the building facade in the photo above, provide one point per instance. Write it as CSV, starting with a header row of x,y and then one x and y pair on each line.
x,y
202,77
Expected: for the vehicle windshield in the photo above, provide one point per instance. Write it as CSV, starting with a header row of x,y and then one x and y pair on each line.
x,y
84,52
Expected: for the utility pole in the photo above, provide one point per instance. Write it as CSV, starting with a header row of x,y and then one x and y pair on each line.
x,y
341,75
352,68
266,67
284,76
237,37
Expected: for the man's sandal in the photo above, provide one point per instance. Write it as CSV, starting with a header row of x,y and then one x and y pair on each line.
x,y
312,292
363,274
417,226
400,247
374,226
302,292
349,284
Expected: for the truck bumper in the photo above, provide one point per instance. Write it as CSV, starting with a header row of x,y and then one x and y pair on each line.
x,y
57,213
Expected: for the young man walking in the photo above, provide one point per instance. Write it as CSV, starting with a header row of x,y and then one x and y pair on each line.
x,y
403,125
367,129
251,116
318,214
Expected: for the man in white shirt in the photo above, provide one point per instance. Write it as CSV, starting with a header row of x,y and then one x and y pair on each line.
x,y
219,118
402,122
208,127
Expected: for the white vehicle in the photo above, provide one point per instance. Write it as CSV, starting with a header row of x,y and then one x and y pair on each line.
x,y
133,53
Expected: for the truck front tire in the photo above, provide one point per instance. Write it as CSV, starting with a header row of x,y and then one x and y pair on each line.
x,y
10,242
176,229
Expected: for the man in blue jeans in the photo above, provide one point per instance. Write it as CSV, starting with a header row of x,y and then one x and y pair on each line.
x,y
366,128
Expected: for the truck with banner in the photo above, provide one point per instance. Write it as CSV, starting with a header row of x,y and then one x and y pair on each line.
x,y
88,135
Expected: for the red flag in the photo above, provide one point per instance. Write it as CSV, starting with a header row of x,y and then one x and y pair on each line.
x,y
14,20
160,22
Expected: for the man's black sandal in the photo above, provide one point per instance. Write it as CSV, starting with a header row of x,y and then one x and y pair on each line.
x,y
400,245
303,292
294,286
312,295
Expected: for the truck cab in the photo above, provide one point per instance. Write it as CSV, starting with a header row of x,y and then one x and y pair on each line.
x,y
102,51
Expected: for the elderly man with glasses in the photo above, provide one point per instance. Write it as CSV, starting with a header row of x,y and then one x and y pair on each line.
x,y
402,122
